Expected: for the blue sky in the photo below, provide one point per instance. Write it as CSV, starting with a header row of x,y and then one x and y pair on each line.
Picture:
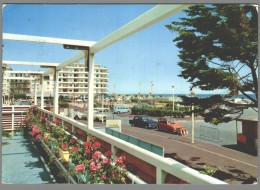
x,y
149,55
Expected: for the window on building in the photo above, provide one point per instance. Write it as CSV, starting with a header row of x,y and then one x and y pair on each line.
x,y
46,77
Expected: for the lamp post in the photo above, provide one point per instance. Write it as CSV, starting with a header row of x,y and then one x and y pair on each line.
x,y
192,116
102,107
151,93
173,97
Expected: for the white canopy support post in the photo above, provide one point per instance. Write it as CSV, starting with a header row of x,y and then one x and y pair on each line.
x,y
42,92
91,92
56,91
35,92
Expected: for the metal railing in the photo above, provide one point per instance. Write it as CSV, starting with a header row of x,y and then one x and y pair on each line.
x,y
209,133
163,165
12,116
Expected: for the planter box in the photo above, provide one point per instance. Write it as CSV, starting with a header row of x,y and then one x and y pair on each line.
x,y
64,155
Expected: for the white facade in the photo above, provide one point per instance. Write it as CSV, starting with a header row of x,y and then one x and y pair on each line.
x,y
20,82
73,82
5,82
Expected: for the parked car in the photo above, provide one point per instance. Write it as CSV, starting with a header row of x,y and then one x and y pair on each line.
x,y
121,109
22,102
143,121
105,109
171,125
84,115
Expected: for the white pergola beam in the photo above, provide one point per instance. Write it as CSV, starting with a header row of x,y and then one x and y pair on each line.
x,y
70,61
30,63
39,39
147,19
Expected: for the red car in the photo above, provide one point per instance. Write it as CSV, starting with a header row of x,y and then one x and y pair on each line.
x,y
171,125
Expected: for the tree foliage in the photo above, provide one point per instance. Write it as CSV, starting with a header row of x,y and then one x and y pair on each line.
x,y
218,50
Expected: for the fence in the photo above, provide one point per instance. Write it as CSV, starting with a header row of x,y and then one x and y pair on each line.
x,y
149,164
209,133
12,116
143,144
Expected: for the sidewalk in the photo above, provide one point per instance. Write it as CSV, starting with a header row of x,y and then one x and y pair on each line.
x,y
22,164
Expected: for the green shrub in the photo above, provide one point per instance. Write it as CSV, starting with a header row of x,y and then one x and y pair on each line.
x,y
63,104
157,112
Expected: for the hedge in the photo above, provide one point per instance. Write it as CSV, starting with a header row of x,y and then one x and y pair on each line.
x,y
158,112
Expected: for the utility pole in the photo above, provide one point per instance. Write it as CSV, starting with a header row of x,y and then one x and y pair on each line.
x,y
140,90
151,92
173,97
192,116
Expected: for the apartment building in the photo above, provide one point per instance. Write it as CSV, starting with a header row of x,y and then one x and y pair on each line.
x,y
5,82
21,83
73,82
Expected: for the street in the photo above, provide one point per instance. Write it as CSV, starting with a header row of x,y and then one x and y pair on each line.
x,y
209,147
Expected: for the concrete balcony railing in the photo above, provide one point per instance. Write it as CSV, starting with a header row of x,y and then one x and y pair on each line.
x,y
150,167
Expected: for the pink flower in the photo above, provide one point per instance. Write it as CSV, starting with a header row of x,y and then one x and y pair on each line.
x,y
35,131
86,144
37,137
97,144
74,149
92,166
120,160
56,122
80,168
73,141
108,154
64,147
87,151
106,161
96,155
98,166
43,120
104,176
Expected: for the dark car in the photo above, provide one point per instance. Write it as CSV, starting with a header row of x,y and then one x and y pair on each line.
x,y
143,121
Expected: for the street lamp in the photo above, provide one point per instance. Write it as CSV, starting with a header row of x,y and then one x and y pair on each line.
x,y
173,97
192,116
151,93
102,107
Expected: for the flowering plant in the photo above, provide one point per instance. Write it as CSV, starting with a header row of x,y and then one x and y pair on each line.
x,y
90,165
36,133
88,162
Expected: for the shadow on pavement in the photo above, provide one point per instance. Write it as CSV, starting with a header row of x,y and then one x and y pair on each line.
x,y
231,175
241,149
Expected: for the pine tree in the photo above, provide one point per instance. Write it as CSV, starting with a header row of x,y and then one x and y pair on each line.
x,y
218,50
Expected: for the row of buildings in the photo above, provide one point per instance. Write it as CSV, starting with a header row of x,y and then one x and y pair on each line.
x,y
73,82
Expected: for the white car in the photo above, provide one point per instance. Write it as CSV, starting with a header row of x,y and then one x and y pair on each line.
x,y
84,115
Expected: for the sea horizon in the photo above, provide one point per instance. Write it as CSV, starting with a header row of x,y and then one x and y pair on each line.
x,y
196,95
